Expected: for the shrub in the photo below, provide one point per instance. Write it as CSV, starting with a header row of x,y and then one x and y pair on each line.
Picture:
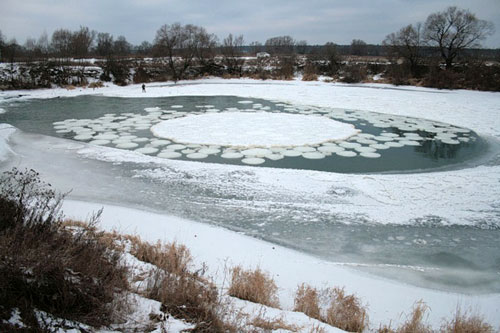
x,y
345,311
414,322
307,301
354,74
254,286
46,267
184,294
464,322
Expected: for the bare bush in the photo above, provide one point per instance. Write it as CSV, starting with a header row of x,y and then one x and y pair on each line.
x,y
254,286
46,267
345,311
465,322
307,301
415,321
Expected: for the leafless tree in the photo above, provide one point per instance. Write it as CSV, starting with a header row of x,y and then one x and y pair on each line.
x,y
121,46
301,46
205,49
178,44
231,51
256,47
454,30
406,44
104,46
358,47
81,41
331,56
61,42
282,45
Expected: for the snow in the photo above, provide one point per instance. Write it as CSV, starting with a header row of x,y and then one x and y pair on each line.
x,y
221,249
5,132
464,196
263,129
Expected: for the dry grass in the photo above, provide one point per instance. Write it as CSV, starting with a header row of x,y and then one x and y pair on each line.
x,y
465,322
307,301
345,311
254,286
46,266
415,321
272,324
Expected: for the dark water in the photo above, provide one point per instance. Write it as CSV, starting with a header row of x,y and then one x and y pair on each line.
x,y
37,116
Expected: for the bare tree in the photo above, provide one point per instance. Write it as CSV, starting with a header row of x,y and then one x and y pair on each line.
x,y
454,30
121,46
205,48
406,44
358,47
145,48
231,51
283,45
256,47
81,41
61,42
301,46
104,47
178,44
331,56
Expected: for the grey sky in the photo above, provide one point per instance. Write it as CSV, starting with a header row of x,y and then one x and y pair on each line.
x,y
317,21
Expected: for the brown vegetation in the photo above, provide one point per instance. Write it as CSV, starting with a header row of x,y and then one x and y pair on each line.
x,y
254,286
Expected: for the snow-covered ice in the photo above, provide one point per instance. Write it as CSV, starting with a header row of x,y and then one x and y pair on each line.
x,y
261,129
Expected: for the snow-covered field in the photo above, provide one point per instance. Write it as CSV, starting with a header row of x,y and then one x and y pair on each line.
x,y
466,196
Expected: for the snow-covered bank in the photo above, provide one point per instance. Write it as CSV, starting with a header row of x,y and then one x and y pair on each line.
x,y
5,132
221,249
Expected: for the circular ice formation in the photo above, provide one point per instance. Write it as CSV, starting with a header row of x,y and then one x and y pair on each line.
x,y
262,129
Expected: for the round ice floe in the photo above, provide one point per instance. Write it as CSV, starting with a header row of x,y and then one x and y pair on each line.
x,y
313,155
209,151
153,109
177,106
196,156
232,155
390,135
330,149
380,146
370,155
106,137
127,145
366,141
409,143
176,147
256,152
159,143
291,153
140,140
63,131
264,129
346,153
384,138
83,137
188,151
245,102
450,141
349,145
274,157
305,149
147,150
169,154
365,149
253,160
100,142
128,137
395,144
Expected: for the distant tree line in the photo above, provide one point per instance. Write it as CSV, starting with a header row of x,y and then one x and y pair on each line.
x,y
444,51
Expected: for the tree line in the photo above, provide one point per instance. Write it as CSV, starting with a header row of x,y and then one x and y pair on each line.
x,y
446,40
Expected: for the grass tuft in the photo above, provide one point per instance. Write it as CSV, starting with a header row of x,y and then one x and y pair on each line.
x,y
254,286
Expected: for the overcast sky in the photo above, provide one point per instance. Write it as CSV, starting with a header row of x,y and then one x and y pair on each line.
x,y
316,21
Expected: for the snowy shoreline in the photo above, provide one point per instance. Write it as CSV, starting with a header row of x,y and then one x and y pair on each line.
x,y
397,198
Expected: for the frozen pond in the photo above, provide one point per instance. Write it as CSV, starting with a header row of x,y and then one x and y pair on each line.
x,y
232,130
426,251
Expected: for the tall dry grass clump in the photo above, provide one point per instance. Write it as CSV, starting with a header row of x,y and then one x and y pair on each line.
x,y
345,311
254,286
464,321
184,293
45,266
339,309
414,321
307,301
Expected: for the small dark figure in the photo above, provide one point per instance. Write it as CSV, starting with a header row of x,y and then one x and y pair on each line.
x,y
143,87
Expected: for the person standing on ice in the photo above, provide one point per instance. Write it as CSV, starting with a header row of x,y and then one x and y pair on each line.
x,y
143,88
